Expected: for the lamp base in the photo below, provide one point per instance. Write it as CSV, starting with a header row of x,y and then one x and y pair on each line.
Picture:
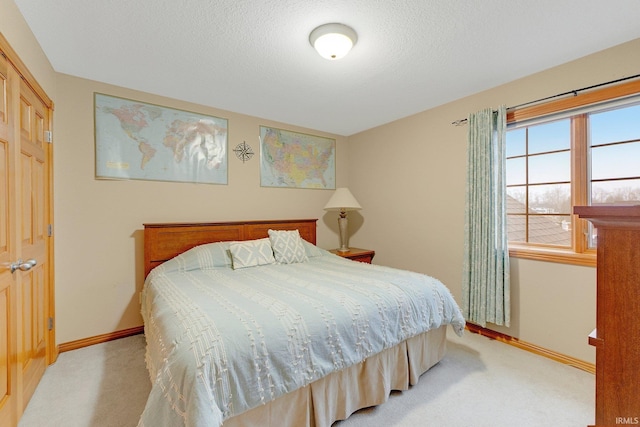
x,y
344,235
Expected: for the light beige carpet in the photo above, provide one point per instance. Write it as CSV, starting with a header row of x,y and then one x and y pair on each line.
x,y
479,383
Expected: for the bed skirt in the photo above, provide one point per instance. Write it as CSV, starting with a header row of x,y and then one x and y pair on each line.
x,y
340,394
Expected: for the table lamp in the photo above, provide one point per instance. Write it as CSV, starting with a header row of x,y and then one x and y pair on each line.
x,y
343,201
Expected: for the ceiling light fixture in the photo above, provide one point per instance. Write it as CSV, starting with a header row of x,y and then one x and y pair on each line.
x,y
333,41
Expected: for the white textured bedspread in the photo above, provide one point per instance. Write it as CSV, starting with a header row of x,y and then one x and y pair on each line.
x,y
221,341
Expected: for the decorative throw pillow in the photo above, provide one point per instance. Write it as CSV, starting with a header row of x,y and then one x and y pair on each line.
x,y
287,246
251,253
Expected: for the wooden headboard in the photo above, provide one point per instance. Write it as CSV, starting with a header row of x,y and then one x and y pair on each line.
x,y
164,241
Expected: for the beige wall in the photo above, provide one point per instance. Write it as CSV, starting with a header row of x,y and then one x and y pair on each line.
x,y
409,176
14,28
98,226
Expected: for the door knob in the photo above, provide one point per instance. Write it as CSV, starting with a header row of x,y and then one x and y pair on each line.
x,y
24,266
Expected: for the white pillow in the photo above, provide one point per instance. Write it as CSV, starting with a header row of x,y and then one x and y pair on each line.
x,y
251,253
287,246
202,257
312,250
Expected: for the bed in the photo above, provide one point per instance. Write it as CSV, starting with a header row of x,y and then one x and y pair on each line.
x,y
250,324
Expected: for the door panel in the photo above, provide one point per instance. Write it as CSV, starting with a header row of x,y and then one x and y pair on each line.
x,y
8,284
4,158
31,292
7,371
26,344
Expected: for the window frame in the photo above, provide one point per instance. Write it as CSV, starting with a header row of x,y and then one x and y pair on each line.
x,y
579,253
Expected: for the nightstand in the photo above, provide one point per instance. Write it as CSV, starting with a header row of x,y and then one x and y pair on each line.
x,y
356,254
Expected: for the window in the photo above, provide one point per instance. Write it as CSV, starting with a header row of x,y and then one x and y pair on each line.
x,y
539,183
580,155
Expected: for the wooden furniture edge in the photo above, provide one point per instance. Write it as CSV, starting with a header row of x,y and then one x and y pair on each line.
x,y
619,216
533,348
617,292
98,339
354,251
356,254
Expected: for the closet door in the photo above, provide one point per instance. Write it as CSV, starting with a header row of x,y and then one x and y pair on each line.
x,y
8,253
26,293
33,218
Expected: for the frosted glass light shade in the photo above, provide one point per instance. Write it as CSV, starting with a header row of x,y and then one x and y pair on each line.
x,y
333,41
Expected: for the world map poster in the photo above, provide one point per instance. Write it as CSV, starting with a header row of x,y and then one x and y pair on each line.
x,y
136,140
292,159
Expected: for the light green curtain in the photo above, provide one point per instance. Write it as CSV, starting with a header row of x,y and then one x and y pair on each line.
x,y
485,277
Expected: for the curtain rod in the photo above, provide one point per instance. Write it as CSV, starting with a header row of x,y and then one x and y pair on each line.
x,y
574,92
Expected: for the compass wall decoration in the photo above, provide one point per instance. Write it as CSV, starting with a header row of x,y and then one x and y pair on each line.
x,y
243,151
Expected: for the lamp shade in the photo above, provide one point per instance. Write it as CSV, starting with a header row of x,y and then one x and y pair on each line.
x,y
333,41
342,200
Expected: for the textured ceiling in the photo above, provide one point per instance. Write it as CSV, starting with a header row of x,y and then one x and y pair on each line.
x,y
254,57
